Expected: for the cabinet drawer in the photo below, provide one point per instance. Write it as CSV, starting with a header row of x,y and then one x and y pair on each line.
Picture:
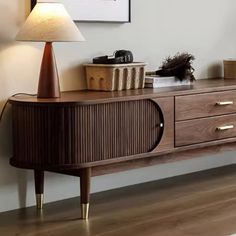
x,y
204,130
205,105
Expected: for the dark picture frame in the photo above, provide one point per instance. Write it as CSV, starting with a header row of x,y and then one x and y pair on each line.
x,y
34,2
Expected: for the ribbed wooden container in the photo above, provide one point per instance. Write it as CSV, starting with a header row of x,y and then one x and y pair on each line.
x,y
230,69
115,77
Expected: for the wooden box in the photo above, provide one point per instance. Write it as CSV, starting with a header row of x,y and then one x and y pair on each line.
x,y
230,69
115,77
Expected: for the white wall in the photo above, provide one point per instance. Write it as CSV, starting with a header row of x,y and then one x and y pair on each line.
x,y
159,28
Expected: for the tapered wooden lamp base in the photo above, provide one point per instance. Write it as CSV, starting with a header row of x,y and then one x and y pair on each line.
x,y
48,86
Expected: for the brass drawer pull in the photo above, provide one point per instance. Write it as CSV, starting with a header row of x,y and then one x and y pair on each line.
x,y
225,103
226,127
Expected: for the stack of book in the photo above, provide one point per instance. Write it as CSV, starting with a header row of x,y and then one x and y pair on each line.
x,y
160,82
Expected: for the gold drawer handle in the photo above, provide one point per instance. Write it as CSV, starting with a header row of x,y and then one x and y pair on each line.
x,y
225,103
226,127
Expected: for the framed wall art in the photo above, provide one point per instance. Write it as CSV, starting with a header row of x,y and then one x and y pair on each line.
x,y
96,10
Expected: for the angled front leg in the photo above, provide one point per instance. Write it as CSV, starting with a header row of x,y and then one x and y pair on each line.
x,y
85,179
39,186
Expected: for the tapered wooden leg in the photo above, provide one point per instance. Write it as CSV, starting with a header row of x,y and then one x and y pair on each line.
x,y
85,179
39,186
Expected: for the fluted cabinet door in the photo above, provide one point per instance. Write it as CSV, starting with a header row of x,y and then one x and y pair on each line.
x,y
70,135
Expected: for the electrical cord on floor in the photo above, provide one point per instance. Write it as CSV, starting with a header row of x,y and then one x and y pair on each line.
x,y
6,103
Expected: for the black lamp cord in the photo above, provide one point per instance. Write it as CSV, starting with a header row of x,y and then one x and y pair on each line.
x,y
6,103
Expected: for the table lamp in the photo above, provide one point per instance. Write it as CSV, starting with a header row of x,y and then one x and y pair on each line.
x,y
49,22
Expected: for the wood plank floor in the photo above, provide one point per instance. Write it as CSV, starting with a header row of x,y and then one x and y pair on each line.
x,y
202,204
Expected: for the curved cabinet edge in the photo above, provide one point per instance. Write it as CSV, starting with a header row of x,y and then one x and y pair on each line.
x,y
167,141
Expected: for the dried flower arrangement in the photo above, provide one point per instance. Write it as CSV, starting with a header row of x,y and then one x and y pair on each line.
x,y
179,66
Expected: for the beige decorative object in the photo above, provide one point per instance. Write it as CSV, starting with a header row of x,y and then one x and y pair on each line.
x,y
115,77
230,69
49,22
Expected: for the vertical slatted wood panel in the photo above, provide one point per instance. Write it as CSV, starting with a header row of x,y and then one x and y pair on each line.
x,y
71,134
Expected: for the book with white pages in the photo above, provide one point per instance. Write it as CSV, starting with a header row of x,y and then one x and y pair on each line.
x,y
154,79
160,82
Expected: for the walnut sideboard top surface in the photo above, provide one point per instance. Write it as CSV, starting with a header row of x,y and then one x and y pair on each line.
x,y
94,97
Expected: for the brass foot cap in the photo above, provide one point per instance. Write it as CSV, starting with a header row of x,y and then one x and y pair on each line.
x,y
39,201
85,211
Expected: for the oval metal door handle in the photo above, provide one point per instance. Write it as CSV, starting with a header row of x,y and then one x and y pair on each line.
x,y
226,103
226,127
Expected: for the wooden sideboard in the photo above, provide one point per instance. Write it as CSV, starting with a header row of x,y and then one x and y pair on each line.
x,y
86,133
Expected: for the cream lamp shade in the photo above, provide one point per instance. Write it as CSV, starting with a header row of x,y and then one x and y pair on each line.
x,y
49,22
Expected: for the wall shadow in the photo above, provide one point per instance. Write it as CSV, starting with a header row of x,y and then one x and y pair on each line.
x,y
74,78
215,70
